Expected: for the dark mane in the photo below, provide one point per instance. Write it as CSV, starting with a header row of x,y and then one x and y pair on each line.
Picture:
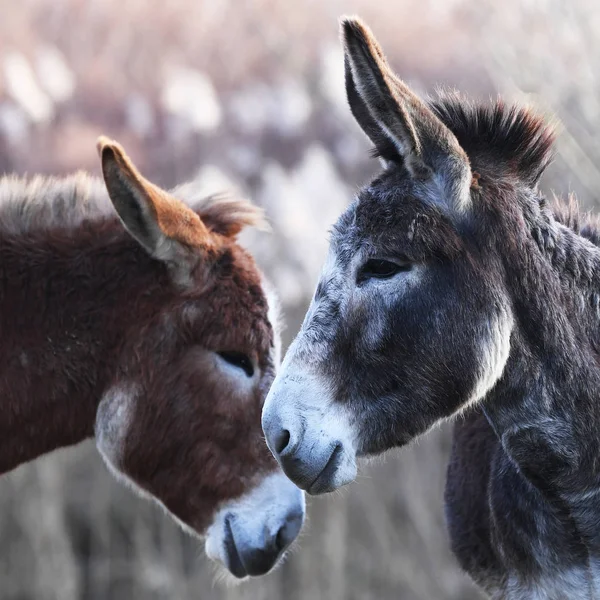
x,y
513,136
585,224
40,202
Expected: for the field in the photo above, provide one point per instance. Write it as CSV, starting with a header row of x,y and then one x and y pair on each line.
x,y
250,96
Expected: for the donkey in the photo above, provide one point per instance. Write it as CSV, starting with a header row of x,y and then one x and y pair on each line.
x,y
452,289
151,329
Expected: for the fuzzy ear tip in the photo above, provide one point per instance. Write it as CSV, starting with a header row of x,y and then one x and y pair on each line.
x,y
104,143
351,25
101,143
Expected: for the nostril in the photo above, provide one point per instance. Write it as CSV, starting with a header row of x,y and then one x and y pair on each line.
x,y
280,540
289,531
281,441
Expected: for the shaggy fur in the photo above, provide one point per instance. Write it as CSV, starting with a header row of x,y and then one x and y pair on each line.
x,y
42,203
453,289
86,312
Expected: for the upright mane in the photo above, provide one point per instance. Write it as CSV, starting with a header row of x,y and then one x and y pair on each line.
x,y
42,203
512,136
516,137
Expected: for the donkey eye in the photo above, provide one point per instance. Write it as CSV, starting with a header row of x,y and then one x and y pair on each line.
x,y
239,360
376,268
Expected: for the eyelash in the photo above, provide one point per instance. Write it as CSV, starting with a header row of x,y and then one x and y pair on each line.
x,y
376,268
239,360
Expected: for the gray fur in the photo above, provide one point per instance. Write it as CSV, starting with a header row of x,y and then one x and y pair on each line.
x,y
494,319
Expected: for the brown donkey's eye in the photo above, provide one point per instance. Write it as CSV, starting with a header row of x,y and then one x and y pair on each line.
x,y
239,360
380,269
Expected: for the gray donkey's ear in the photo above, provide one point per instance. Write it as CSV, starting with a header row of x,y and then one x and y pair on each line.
x,y
396,120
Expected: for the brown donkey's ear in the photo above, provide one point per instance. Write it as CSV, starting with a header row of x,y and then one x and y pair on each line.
x,y
393,117
167,228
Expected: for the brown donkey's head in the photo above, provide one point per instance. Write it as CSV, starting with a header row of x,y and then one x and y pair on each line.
x,y
181,420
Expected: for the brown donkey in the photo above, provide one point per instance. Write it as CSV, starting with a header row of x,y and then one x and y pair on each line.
x,y
157,337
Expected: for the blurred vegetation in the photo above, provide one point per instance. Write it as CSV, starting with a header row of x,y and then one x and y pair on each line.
x,y
250,95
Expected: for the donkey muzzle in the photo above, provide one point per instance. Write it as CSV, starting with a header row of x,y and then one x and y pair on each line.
x,y
251,534
308,435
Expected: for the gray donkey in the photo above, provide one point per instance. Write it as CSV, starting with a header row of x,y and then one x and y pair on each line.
x,y
451,288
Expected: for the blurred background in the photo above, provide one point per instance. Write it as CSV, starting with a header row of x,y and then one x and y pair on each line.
x,y
249,95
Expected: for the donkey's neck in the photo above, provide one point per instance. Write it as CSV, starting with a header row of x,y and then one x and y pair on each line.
x,y
544,408
68,299
574,258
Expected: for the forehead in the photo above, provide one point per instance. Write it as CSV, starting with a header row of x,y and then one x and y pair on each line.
x,y
395,216
234,305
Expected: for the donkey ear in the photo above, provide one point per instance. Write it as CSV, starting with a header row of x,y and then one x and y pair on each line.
x,y
382,141
392,116
168,229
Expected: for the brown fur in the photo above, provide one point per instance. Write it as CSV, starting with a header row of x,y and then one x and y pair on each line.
x,y
40,202
176,220
85,310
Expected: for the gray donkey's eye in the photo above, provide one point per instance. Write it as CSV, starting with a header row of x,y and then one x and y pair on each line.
x,y
377,268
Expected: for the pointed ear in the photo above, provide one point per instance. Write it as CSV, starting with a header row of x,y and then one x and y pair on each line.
x,y
167,228
396,120
383,143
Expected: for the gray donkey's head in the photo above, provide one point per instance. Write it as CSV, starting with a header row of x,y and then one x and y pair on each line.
x,y
412,318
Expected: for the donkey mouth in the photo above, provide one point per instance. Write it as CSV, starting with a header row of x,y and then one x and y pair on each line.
x,y
323,482
234,561
254,562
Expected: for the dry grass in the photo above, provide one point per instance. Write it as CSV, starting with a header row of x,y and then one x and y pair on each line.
x,y
250,94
